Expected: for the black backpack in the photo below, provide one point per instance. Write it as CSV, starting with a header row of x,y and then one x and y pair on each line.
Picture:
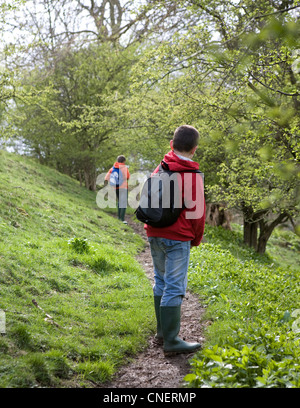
x,y
161,198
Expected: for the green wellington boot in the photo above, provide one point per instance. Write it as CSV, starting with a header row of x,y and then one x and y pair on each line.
x,y
170,323
159,335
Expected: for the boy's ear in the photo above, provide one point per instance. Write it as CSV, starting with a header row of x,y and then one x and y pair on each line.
x,y
171,144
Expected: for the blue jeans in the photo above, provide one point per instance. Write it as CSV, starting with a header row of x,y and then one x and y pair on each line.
x,y
170,261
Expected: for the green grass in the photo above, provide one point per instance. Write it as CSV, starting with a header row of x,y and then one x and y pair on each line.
x,y
253,305
78,264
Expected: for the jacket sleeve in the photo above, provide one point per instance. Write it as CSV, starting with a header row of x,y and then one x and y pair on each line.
x,y
108,175
199,226
200,208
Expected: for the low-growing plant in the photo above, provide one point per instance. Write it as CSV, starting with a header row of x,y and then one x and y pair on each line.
x,y
3,345
79,245
95,371
58,364
21,336
39,367
251,301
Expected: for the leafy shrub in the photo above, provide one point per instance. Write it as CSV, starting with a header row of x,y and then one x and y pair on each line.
x,y
79,245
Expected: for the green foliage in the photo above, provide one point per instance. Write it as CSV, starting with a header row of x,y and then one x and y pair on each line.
x,y
95,371
58,364
240,88
80,245
249,366
251,301
21,336
232,73
70,121
37,364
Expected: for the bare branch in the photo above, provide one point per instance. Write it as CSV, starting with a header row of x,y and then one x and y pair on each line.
x,y
272,89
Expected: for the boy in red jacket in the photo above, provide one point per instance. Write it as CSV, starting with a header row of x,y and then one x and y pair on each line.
x,y
170,246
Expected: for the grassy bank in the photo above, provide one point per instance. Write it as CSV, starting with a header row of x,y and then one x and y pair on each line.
x,y
253,307
76,302
78,305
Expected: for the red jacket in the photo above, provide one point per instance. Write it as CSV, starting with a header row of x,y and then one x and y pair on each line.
x,y
185,228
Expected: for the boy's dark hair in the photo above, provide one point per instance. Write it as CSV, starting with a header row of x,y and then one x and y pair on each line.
x,y
185,138
121,159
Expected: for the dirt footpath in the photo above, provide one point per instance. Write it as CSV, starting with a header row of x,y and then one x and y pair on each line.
x,y
151,369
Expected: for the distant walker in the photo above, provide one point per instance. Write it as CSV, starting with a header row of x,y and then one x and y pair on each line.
x,y
118,177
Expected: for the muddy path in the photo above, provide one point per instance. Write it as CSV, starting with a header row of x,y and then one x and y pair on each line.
x,y
151,369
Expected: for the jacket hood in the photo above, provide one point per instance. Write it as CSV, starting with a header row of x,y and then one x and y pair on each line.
x,y
177,164
117,165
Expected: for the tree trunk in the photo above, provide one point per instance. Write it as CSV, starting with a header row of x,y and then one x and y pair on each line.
x,y
250,233
262,243
251,222
90,180
266,231
80,177
216,215
260,218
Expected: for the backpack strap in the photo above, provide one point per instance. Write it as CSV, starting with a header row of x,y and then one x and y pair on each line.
x,y
164,165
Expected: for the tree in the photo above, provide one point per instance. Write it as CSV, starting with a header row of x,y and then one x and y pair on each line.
x,y
77,77
71,120
240,90
228,69
7,78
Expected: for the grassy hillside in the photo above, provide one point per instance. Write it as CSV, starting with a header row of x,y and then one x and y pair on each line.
x,y
76,302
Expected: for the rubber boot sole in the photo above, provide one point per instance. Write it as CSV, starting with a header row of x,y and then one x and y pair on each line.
x,y
176,352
